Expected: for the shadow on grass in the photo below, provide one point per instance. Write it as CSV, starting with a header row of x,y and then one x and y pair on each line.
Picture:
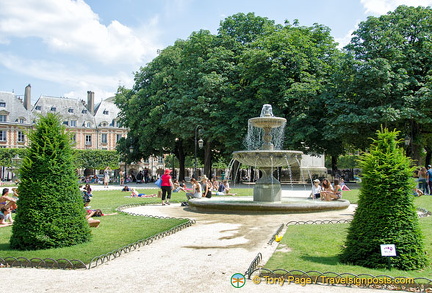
x,y
326,260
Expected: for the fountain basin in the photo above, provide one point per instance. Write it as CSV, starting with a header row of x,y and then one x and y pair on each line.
x,y
246,205
268,158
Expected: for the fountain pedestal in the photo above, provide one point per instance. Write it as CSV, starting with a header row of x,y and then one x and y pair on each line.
x,y
267,188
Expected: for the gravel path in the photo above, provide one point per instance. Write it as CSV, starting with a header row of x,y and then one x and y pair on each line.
x,y
200,258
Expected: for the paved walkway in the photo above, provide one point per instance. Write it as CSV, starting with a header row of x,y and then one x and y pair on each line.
x,y
200,258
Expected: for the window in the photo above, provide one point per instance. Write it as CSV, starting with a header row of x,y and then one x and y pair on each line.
x,y
53,109
73,123
70,110
38,108
88,124
104,138
73,137
105,112
3,118
2,135
66,122
84,111
88,140
118,137
21,120
2,104
21,136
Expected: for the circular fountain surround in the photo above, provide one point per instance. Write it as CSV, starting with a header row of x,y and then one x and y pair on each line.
x,y
264,153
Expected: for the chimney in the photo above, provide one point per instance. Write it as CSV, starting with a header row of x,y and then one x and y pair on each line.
x,y
27,97
90,102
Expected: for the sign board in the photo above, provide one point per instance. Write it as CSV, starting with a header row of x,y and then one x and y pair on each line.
x,y
388,250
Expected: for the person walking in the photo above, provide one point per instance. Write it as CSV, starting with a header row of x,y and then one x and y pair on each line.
x,y
106,176
429,178
166,186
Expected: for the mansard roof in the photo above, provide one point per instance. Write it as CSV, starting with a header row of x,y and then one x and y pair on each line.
x,y
13,107
68,109
106,113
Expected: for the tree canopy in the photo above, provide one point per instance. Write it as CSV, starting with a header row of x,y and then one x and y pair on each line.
x,y
219,81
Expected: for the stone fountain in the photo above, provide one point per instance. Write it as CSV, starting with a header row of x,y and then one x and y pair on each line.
x,y
264,152
268,156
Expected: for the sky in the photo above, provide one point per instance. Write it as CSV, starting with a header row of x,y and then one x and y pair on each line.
x,y
64,48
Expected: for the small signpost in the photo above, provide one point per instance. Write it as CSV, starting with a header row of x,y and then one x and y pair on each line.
x,y
388,250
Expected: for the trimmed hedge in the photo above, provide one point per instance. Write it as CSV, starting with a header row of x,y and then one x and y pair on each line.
x,y
385,212
50,208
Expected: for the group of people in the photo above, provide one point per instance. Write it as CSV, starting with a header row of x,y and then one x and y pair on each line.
x,y
424,180
326,191
206,188
8,204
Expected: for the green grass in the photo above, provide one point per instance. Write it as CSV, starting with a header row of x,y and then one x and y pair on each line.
x,y
114,231
316,247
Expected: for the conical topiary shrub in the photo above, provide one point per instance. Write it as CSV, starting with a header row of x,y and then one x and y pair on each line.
x,y
385,212
50,208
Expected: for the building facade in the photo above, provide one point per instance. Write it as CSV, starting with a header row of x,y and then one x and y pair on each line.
x,y
93,126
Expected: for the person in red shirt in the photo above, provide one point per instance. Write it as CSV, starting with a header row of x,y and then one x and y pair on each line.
x,y
166,186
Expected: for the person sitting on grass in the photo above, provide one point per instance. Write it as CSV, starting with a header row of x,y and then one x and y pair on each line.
x,y
224,189
126,188
177,186
7,200
5,216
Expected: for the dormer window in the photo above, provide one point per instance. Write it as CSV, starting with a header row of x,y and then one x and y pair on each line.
x,y
3,118
84,111
70,110
105,112
38,108
53,109
2,104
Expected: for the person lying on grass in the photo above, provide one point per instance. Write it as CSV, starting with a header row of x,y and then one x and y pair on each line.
x,y
95,213
135,193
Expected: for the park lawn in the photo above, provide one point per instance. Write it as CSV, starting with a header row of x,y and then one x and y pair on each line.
x,y
316,247
114,232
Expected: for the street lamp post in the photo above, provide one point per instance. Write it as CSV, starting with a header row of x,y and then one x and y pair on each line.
x,y
130,151
200,143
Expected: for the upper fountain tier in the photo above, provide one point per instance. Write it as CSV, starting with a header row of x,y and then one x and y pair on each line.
x,y
264,151
267,122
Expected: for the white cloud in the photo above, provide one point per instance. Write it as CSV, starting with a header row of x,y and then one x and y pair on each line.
x,y
104,86
345,39
71,27
380,7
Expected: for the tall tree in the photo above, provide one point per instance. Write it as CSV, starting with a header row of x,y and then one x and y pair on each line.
x,y
50,212
391,75
386,213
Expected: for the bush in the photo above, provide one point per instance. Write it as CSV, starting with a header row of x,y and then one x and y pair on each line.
x,y
50,208
386,212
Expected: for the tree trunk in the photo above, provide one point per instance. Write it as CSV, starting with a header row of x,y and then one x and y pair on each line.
x,y
179,153
334,164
